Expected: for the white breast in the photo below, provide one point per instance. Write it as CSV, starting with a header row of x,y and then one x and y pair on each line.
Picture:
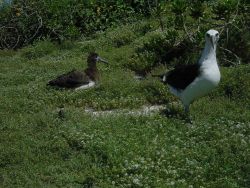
x,y
202,85
86,86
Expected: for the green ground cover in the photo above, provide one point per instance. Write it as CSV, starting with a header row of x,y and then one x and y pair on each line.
x,y
40,148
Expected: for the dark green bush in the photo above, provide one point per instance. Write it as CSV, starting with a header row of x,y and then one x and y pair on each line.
x,y
118,39
179,6
141,28
234,16
183,39
178,28
224,9
38,49
235,83
25,21
156,92
162,48
197,10
235,48
142,63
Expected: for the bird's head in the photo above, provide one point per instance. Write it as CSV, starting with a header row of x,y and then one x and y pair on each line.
x,y
212,37
93,58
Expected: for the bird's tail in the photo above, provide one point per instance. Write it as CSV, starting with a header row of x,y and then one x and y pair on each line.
x,y
157,75
162,77
51,83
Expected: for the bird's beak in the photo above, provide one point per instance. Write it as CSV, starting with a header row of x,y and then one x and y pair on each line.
x,y
212,39
102,60
164,78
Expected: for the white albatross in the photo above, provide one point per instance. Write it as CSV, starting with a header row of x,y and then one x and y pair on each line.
x,y
190,82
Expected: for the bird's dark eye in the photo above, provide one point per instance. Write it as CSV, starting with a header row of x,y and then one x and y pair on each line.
x,y
217,34
207,35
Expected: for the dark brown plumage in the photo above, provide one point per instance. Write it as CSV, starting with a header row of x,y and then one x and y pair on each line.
x,y
182,76
75,78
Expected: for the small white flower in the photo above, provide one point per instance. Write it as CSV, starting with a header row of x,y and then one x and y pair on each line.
x,y
172,183
136,181
136,166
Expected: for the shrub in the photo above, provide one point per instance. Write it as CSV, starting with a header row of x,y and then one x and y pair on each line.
x,y
118,38
38,49
141,28
25,21
160,48
142,63
181,42
155,91
235,83
224,9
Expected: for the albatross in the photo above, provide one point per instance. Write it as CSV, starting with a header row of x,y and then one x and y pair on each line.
x,y
76,79
190,82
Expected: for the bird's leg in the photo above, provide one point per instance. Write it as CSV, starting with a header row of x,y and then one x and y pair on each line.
x,y
61,112
187,113
186,108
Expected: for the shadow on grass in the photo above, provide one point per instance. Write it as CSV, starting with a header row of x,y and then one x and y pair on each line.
x,y
174,112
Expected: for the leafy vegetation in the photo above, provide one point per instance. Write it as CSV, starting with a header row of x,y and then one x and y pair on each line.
x,y
26,21
51,138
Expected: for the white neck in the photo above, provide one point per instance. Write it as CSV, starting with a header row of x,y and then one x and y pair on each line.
x,y
209,52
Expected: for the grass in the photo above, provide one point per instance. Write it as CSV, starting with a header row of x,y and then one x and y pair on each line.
x,y
41,148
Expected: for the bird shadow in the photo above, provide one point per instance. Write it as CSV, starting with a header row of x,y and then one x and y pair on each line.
x,y
171,112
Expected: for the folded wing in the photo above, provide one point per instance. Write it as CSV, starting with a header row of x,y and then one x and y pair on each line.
x,y
181,77
71,79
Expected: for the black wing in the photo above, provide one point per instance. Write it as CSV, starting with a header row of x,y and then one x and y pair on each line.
x,y
182,76
70,80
